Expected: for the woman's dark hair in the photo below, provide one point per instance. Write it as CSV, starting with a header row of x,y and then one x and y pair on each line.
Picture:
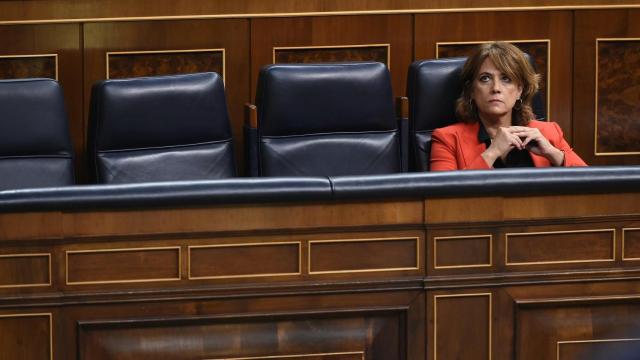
x,y
511,62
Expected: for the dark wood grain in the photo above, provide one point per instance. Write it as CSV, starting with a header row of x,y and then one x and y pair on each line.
x,y
319,55
28,67
125,65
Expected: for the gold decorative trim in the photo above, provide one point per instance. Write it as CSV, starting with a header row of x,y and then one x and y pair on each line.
x,y
245,275
222,50
388,46
48,255
435,250
435,318
66,268
48,315
55,59
595,112
506,247
311,242
558,343
292,356
624,230
548,41
320,13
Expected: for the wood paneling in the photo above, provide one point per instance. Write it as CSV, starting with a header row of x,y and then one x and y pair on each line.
x,y
555,26
617,82
26,336
244,260
363,255
462,251
461,318
18,270
232,35
566,246
136,64
64,40
305,55
73,9
133,265
331,31
590,329
378,334
29,66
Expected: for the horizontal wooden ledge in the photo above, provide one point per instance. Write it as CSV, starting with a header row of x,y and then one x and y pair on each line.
x,y
94,18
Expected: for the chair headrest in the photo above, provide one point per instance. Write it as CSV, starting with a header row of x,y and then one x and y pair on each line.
x,y
159,111
33,120
296,99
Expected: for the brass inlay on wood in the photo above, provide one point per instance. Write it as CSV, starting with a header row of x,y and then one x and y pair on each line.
x,y
123,281
506,248
624,232
621,78
435,251
567,342
358,354
545,86
312,242
297,243
435,317
10,256
29,66
49,317
333,53
164,62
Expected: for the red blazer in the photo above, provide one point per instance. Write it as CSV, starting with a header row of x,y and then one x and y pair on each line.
x,y
456,147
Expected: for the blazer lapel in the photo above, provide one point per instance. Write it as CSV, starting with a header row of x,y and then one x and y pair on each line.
x,y
471,148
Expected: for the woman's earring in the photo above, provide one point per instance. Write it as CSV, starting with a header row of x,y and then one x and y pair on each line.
x,y
518,104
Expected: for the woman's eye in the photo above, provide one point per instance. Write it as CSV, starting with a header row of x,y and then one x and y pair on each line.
x,y
506,79
484,78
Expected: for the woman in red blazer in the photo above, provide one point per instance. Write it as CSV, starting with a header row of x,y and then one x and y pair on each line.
x,y
498,129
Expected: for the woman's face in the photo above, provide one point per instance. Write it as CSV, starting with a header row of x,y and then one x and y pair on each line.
x,y
493,92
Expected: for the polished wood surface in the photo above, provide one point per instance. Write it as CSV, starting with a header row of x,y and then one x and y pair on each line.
x,y
611,109
402,279
15,10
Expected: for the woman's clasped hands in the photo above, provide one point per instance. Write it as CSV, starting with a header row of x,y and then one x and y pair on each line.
x,y
521,137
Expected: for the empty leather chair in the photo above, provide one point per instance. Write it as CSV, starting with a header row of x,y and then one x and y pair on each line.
x,y
35,148
326,120
165,128
433,87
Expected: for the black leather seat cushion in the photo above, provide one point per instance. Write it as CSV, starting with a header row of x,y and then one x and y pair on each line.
x,y
35,148
326,119
160,129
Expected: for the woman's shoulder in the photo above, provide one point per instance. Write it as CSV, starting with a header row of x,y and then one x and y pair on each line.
x,y
546,125
459,127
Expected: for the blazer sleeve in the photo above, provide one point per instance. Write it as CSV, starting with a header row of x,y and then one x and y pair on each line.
x,y
445,154
570,157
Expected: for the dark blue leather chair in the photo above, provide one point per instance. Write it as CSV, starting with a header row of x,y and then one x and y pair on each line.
x,y
35,148
164,128
326,120
433,87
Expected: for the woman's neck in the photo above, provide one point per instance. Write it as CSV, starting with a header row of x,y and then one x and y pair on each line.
x,y
492,124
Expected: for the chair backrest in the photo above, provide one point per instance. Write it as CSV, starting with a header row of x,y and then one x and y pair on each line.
x,y
35,147
326,120
433,87
164,128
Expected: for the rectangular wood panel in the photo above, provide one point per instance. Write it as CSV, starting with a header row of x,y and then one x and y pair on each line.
x,y
133,265
462,251
18,270
244,260
458,319
26,336
559,247
29,66
363,255
126,64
